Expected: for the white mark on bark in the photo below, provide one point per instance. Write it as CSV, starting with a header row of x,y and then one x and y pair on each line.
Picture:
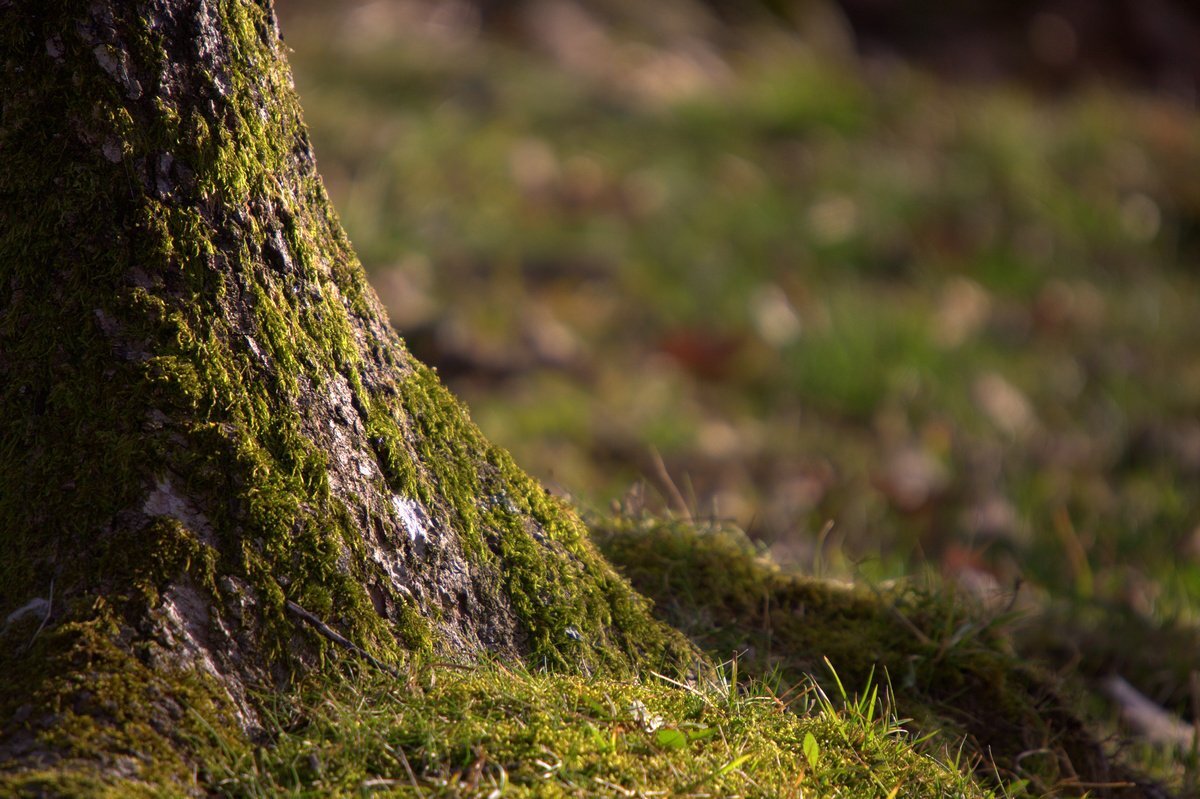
x,y
107,61
164,501
341,448
162,181
398,577
115,63
112,149
189,631
258,353
54,48
188,611
106,322
412,517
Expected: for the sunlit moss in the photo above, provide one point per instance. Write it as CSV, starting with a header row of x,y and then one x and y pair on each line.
x,y
472,732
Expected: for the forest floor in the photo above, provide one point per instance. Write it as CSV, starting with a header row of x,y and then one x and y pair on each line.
x,y
895,328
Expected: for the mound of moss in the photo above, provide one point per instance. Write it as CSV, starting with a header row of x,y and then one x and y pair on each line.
x,y
949,667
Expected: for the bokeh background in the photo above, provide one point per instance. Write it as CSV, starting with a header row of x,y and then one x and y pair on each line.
x,y
893,286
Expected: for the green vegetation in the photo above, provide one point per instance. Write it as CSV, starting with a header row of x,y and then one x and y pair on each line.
x,y
490,730
790,280
942,707
948,665
956,323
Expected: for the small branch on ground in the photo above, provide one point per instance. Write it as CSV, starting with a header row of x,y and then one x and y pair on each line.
x,y
339,639
1147,719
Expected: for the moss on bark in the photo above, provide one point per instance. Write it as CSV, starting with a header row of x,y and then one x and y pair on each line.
x,y
204,414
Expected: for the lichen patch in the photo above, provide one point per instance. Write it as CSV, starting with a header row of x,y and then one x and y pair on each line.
x,y
413,518
164,500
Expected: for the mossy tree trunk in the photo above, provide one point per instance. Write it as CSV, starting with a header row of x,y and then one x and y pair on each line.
x,y
208,431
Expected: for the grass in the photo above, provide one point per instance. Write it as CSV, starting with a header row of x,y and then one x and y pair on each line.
x,y
787,281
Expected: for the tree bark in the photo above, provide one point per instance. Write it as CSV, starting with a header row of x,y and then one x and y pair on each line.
x,y
216,457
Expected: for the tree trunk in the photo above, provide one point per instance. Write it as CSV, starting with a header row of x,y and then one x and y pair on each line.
x,y
216,457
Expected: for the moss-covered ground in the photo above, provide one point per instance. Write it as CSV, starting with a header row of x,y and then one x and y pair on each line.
x,y
949,666
492,730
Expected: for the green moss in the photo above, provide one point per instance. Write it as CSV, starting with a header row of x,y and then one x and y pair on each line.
x,y
91,458
577,611
55,782
116,712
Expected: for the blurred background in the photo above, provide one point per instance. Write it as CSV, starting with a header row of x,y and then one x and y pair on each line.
x,y
893,286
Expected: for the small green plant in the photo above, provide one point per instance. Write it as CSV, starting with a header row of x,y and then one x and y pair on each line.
x,y
812,750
